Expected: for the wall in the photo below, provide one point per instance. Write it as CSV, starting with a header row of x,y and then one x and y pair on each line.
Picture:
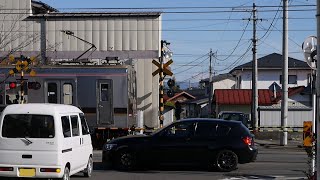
x,y
272,117
223,84
267,77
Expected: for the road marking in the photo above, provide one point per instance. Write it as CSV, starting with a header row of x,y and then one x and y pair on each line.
x,y
264,177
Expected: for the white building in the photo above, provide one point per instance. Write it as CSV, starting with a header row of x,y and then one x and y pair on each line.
x,y
270,71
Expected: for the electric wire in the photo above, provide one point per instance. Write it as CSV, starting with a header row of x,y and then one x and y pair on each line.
x,y
191,67
191,61
234,49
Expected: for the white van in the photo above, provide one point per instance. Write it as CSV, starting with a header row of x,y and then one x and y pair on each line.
x,y
44,141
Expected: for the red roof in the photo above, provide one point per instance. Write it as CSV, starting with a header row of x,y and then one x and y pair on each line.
x,y
291,91
242,96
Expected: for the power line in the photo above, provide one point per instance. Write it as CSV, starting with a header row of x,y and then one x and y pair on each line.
x,y
191,67
192,61
234,49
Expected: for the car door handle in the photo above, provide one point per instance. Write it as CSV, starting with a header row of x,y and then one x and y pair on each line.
x,y
100,106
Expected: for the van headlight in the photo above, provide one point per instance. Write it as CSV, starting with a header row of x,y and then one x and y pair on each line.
x,y
108,147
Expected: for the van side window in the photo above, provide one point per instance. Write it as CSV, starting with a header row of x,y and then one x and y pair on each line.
x,y
75,125
84,125
66,126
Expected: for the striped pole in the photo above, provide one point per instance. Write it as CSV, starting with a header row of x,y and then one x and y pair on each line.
x,y
161,77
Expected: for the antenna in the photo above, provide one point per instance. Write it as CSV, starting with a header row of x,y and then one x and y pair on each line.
x,y
309,48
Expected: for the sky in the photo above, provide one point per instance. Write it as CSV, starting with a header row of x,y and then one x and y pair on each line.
x,y
193,27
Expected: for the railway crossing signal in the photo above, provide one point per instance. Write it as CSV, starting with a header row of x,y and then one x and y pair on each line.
x,y
22,66
162,71
165,69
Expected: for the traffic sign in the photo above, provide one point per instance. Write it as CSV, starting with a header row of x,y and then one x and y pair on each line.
x,y
165,69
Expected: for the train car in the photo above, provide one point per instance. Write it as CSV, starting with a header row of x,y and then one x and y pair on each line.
x,y
106,94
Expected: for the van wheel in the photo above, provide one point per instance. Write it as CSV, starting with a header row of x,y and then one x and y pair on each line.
x,y
226,161
88,170
66,174
125,160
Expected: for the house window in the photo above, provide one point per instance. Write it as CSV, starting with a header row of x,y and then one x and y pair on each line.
x,y
292,79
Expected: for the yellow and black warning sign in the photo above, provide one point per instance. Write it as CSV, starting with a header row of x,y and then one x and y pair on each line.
x,y
307,134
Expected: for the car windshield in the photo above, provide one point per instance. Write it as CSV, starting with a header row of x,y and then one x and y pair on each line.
x,y
28,126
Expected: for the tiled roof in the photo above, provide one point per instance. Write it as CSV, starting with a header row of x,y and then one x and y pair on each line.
x,y
274,61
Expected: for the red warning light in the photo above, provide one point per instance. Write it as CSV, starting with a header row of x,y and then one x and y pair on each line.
x,y
12,85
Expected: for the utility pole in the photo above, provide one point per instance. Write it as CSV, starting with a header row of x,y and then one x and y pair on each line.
x,y
284,101
210,85
318,92
254,108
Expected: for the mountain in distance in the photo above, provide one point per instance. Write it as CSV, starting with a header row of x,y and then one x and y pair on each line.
x,y
186,85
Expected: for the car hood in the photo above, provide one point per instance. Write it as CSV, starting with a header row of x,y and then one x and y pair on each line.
x,y
130,138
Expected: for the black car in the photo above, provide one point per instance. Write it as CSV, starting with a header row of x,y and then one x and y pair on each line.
x,y
235,115
214,143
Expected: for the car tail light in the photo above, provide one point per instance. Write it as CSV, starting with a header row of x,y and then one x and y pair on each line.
x,y
57,170
6,168
247,140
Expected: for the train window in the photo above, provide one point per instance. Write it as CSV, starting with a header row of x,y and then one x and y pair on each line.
x,y
67,93
52,92
104,92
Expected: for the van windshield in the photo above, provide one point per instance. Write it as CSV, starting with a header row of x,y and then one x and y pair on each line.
x,y
28,126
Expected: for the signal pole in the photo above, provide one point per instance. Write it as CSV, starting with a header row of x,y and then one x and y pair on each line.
x,y
161,77
162,71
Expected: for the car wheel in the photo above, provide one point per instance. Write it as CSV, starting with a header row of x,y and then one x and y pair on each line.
x,y
66,174
125,160
226,161
88,170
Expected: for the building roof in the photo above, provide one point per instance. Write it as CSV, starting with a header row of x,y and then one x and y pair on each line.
x,y
291,91
244,96
218,77
273,61
183,93
241,96
96,14
41,7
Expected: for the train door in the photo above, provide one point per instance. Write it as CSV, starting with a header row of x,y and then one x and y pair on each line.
x,y
60,91
105,101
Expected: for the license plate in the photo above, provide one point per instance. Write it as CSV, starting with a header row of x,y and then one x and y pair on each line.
x,y
27,172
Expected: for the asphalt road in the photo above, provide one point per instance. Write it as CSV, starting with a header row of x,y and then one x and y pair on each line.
x,y
273,162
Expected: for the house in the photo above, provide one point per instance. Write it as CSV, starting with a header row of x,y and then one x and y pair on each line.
x,y
239,97
182,97
221,81
269,101
270,72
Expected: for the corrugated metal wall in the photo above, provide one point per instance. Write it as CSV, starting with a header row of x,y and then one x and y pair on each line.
x,y
295,117
107,34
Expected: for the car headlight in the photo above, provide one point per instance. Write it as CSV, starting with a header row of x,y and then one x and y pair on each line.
x,y
108,147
